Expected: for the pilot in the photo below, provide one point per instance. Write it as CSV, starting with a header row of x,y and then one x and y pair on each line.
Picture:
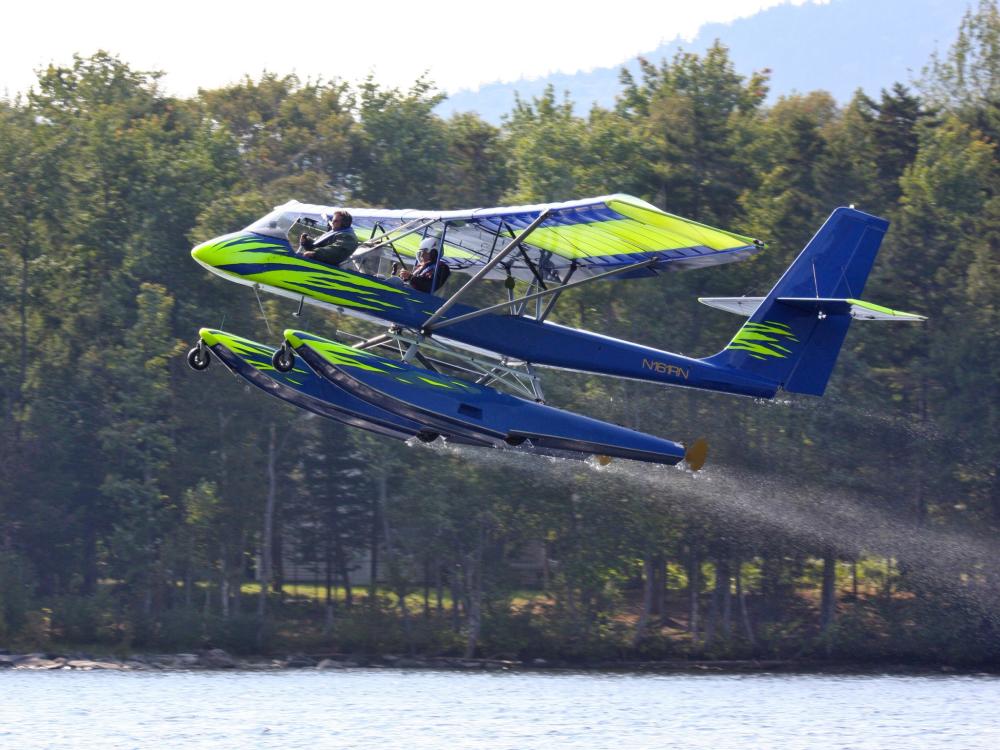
x,y
428,275
334,246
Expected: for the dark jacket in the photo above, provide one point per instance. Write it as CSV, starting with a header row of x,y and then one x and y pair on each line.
x,y
425,279
334,247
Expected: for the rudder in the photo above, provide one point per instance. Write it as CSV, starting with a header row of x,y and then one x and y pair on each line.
x,y
794,346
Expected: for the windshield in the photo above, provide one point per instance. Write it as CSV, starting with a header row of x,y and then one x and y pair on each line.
x,y
277,223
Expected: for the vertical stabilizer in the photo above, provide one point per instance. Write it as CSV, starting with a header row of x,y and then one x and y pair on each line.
x,y
791,344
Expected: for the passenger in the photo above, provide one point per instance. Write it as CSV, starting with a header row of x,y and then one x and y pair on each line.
x,y
335,246
428,275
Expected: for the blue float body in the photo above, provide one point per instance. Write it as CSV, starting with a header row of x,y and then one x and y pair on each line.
x,y
303,388
452,405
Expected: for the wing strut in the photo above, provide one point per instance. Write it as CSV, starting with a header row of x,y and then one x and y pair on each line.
x,y
384,238
534,270
555,296
536,295
375,341
511,247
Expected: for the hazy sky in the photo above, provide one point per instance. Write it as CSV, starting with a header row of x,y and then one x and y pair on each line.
x,y
461,44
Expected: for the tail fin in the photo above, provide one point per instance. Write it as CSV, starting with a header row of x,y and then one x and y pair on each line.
x,y
796,345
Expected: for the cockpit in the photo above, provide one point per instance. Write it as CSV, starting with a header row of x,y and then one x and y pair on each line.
x,y
374,257
279,222
292,220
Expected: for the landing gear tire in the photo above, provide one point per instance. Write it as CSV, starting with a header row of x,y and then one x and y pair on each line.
x,y
426,436
515,440
283,359
198,358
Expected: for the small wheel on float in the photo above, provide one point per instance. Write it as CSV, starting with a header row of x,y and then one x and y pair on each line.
x,y
426,436
283,359
198,358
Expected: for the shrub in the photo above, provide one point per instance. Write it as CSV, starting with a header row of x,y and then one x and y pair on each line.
x,y
181,629
16,594
79,619
239,634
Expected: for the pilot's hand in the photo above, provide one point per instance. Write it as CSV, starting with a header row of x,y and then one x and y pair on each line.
x,y
308,254
405,275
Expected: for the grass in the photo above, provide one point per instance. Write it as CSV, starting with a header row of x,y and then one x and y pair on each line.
x,y
313,592
414,600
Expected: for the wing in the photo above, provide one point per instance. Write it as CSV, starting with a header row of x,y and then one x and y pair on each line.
x,y
583,238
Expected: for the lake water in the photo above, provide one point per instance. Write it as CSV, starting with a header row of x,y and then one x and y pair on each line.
x,y
382,708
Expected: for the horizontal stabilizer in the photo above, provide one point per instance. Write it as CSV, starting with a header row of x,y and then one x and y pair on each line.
x,y
794,336
745,306
856,308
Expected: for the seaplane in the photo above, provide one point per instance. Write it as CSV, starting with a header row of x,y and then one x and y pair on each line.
x,y
440,368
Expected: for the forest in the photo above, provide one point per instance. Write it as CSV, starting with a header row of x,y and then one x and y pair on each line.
x,y
146,507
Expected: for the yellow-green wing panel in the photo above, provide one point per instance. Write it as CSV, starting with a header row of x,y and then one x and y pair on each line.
x,y
643,213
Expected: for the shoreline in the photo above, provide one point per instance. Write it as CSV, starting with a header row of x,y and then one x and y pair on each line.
x,y
219,660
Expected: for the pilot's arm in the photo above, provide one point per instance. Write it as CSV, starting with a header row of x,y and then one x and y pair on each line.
x,y
333,247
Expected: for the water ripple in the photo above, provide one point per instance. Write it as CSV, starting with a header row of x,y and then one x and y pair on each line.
x,y
413,710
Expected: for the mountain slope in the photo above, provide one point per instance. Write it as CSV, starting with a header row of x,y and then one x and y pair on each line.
x,y
839,47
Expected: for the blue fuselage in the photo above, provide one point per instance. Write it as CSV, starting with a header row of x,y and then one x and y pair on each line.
x,y
271,264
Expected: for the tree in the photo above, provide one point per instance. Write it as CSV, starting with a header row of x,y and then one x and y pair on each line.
x,y
895,137
475,168
284,128
137,441
403,147
693,112
543,140
968,75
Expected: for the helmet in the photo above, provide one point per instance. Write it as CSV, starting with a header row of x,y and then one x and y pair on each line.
x,y
429,243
